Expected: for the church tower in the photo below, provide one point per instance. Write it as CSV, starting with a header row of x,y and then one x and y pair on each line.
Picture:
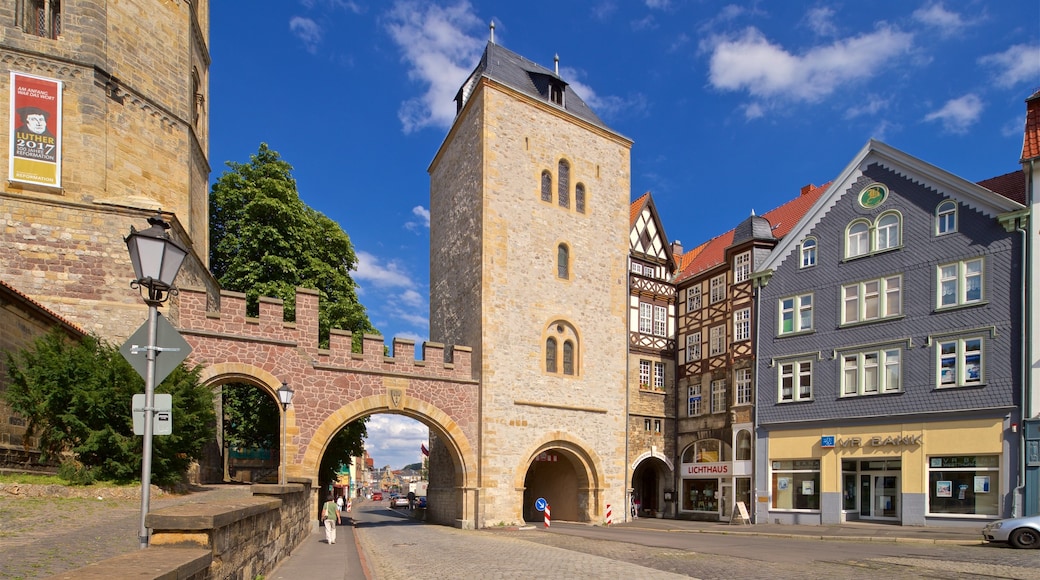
x,y
106,123
529,219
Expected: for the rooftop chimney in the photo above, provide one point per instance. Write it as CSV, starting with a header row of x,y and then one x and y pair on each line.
x,y
676,248
807,188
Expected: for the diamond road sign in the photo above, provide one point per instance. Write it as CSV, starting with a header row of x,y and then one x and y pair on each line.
x,y
171,349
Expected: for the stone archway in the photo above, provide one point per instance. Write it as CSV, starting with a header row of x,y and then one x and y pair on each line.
x,y
561,466
335,386
652,476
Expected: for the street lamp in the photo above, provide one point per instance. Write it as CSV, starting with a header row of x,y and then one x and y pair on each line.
x,y
156,259
285,395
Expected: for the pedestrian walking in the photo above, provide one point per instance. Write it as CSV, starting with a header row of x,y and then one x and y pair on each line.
x,y
330,515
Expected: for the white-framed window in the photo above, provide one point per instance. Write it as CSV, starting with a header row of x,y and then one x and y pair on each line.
x,y
741,267
871,372
718,396
646,318
863,237
960,362
742,381
742,324
693,402
717,340
808,252
657,425
660,321
644,374
795,381
637,268
887,234
872,299
857,239
796,314
647,425
693,298
693,346
946,217
659,376
718,289
977,475
960,283
796,484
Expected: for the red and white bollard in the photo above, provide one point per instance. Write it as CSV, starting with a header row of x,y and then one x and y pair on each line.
x,y
547,515
610,515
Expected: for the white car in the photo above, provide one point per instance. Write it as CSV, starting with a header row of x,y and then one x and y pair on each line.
x,y
399,501
1019,532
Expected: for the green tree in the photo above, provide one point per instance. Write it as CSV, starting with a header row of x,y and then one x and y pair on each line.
x,y
75,397
264,241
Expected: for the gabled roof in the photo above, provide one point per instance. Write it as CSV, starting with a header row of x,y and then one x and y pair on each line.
x,y
29,303
1010,185
713,252
645,203
508,68
928,175
1031,138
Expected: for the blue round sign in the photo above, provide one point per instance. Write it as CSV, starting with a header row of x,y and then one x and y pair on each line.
x,y
540,503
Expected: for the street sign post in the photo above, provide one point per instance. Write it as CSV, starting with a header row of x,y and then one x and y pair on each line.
x,y
163,414
170,349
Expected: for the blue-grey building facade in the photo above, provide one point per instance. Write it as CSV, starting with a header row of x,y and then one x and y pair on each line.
x,y
889,361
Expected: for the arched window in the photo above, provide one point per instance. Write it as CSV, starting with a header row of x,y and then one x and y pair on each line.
x,y
563,267
743,452
568,357
808,252
946,217
857,240
563,184
888,232
579,197
546,186
706,451
562,349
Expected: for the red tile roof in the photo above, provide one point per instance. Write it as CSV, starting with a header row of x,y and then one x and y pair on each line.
x,y
782,219
1031,139
55,317
636,208
1010,185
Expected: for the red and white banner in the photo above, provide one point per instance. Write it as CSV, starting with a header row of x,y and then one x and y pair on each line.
x,y
424,450
35,124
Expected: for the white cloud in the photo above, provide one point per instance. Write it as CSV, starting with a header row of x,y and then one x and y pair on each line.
x,y
753,111
1018,64
307,31
657,4
424,219
395,440
439,53
870,105
821,21
937,16
750,62
958,115
604,106
382,276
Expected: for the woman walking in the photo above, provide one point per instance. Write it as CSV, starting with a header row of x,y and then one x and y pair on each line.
x,y
330,515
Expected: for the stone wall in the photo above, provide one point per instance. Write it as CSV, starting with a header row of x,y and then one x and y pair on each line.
x,y
229,540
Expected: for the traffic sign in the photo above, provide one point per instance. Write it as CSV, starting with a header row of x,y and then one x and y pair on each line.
x,y
163,424
540,503
170,349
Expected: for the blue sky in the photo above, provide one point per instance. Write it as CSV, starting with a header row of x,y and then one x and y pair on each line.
x,y
732,107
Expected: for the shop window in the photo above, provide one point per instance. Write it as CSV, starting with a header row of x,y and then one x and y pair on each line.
x,y
700,495
706,451
796,484
964,484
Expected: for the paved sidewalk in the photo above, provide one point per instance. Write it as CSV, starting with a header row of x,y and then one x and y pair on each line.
x,y
315,558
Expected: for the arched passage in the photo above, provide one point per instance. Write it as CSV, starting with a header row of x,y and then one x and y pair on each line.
x,y
449,504
561,471
651,478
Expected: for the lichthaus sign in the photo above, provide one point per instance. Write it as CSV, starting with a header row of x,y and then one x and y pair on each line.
x,y
706,469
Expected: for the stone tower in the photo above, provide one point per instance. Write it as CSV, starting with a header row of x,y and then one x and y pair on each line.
x,y
529,202
122,88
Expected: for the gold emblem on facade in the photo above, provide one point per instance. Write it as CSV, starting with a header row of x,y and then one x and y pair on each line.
x,y
395,398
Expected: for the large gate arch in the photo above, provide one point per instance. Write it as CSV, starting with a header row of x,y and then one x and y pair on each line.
x,y
581,455
335,386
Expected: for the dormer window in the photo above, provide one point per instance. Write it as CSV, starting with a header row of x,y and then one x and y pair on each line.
x,y
556,93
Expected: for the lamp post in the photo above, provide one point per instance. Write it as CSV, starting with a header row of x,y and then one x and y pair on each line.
x,y
285,395
156,259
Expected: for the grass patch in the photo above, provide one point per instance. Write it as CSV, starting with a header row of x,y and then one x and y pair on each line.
x,y
37,479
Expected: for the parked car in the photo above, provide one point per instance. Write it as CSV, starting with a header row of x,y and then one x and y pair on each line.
x,y
420,502
399,501
1019,532
377,496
